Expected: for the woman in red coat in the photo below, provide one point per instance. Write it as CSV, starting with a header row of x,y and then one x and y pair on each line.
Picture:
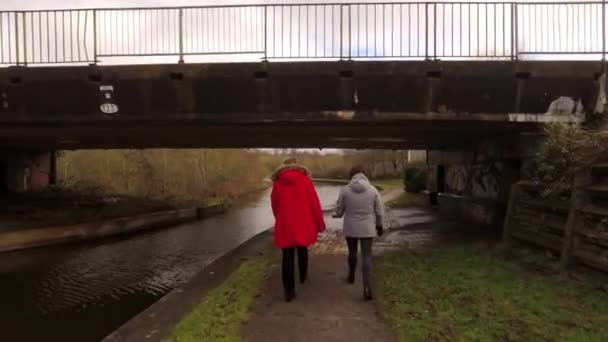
x,y
298,219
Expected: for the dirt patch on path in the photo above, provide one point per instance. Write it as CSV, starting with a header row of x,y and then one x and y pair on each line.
x,y
326,309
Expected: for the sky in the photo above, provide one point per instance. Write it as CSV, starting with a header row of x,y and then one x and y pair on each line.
x,y
233,35
54,4
212,35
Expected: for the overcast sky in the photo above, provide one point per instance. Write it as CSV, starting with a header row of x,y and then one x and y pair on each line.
x,y
53,4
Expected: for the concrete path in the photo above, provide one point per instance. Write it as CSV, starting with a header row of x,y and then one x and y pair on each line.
x,y
326,309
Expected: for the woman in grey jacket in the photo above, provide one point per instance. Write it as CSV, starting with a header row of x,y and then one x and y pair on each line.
x,y
361,206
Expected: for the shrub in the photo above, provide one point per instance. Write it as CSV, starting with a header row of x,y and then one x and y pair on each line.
x,y
415,179
567,150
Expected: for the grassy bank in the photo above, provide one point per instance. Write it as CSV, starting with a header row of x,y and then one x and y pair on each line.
x,y
469,293
222,312
389,183
380,184
55,207
407,199
331,181
180,177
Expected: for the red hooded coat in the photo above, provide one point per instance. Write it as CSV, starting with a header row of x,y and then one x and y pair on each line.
x,y
296,207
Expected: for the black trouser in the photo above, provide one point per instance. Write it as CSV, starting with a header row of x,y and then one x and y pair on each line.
x,y
366,254
289,255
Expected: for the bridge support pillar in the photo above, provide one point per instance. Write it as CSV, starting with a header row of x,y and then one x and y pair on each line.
x,y
475,184
27,171
432,91
183,88
348,97
522,79
261,89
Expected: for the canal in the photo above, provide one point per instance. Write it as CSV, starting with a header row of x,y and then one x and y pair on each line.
x,y
82,292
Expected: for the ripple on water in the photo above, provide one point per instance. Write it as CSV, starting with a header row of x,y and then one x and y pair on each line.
x,y
100,285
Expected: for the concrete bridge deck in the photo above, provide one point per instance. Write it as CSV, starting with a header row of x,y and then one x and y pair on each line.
x,y
403,104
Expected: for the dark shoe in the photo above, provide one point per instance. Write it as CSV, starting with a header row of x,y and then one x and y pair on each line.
x,y
289,296
367,294
350,279
303,279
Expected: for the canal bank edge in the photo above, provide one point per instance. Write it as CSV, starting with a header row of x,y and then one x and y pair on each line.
x,y
157,321
39,237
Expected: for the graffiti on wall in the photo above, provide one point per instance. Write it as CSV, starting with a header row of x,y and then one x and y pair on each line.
x,y
478,180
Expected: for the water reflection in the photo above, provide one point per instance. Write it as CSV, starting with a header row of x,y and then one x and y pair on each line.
x,y
82,292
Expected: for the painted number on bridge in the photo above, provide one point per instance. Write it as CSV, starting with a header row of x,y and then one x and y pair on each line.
x,y
109,108
108,103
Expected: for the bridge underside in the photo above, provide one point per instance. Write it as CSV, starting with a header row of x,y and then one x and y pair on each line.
x,y
427,105
395,135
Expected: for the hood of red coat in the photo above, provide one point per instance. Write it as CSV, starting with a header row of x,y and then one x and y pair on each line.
x,y
291,176
290,173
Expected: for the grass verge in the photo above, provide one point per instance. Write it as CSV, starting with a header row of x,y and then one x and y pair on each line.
x,y
223,311
331,181
389,183
407,199
469,293
380,184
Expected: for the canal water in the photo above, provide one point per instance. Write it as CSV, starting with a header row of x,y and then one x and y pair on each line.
x,y
82,292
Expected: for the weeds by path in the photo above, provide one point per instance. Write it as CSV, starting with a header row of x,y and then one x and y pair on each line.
x,y
222,312
407,199
469,293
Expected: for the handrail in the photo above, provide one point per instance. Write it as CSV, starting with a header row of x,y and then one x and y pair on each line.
x,y
331,31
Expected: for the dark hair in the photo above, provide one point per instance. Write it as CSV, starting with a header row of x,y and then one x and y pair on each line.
x,y
355,170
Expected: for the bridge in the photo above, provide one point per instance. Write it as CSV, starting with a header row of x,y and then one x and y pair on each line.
x,y
461,78
403,75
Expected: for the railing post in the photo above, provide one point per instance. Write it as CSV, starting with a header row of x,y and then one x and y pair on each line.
x,y
94,37
514,34
426,31
17,50
350,42
435,31
603,31
181,35
578,200
24,20
341,33
514,196
265,33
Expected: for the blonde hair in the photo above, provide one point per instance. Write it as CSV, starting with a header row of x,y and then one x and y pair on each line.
x,y
290,160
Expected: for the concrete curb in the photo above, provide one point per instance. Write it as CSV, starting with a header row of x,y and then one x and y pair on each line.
x,y
28,238
157,321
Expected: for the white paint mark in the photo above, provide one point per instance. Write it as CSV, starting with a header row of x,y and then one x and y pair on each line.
x,y
109,108
345,114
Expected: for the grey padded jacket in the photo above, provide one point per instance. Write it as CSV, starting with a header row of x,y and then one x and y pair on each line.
x,y
361,206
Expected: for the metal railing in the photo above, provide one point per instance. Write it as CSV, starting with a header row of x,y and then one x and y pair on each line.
x,y
425,30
